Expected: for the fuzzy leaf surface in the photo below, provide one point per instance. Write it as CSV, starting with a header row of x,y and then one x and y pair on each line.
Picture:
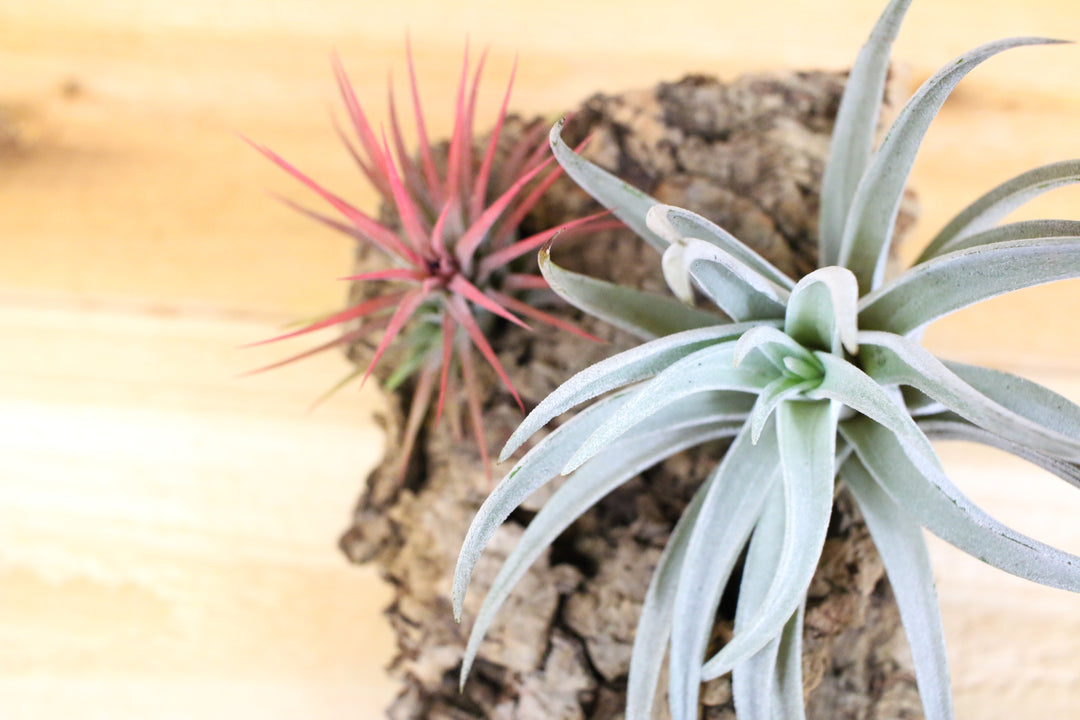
x,y
729,512
644,315
806,433
900,541
624,200
892,359
952,282
636,364
918,484
994,206
617,464
869,226
853,134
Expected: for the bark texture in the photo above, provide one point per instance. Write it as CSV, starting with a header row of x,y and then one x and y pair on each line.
x,y
748,155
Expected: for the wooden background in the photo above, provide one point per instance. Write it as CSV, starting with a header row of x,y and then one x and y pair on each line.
x,y
167,527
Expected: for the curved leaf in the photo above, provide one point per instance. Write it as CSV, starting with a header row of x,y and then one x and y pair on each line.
x,y
788,702
1022,230
654,626
753,683
538,467
994,206
543,463
948,426
736,288
674,224
807,443
853,134
869,226
729,512
580,492
918,484
624,200
630,366
705,370
822,311
892,359
1024,397
954,281
900,541
644,315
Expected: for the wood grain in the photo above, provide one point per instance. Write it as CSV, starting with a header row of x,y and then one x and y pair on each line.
x,y
167,529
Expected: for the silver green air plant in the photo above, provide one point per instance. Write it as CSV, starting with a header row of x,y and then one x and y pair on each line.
x,y
813,381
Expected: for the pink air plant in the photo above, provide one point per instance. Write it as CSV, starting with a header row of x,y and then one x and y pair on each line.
x,y
451,254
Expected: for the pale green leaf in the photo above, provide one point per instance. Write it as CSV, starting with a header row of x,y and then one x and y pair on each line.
x,y
545,461
654,625
949,426
529,474
581,491
955,281
899,540
627,202
1024,397
822,311
1022,230
994,206
806,434
869,226
753,683
630,366
728,515
851,386
703,371
674,223
891,359
644,315
919,486
788,703
737,289
853,134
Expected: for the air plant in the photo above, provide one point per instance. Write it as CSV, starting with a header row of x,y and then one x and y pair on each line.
x,y
813,381
453,253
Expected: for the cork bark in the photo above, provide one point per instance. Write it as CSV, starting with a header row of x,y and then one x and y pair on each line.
x,y
749,155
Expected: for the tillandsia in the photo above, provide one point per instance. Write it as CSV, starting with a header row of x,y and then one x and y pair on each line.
x,y
814,382
454,255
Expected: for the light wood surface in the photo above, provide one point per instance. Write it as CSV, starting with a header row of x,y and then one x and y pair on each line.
x,y
167,528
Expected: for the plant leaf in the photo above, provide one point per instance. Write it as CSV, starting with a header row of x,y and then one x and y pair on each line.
x,y
753,683
994,206
729,511
617,464
1024,397
1022,230
949,426
705,370
891,359
918,484
627,202
540,465
674,223
899,539
853,134
869,226
644,315
627,367
954,281
822,311
737,289
657,610
788,703
543,462
806,432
